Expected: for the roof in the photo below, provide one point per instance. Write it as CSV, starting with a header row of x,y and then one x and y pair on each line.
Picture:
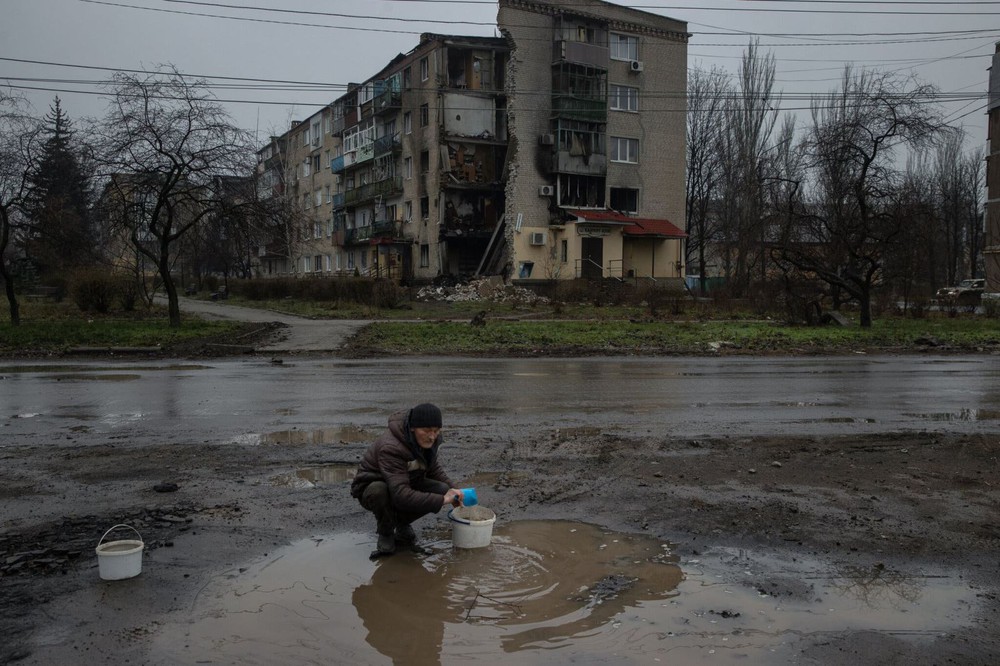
x,y
632,226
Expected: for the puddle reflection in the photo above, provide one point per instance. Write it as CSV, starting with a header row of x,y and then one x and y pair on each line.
x,y
311,477
965,414
342,435
544,592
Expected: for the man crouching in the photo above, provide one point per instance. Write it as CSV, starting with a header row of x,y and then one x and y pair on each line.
x,y
399,478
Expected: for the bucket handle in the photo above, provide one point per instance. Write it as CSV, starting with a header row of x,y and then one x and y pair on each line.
x,y
114,527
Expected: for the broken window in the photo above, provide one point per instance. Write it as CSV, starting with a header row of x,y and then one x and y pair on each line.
x,y
581,191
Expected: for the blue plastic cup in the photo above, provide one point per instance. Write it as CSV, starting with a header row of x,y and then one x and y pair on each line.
x,y
469,497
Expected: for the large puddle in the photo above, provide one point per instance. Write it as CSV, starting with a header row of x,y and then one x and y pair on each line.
x,y
341,435
544,592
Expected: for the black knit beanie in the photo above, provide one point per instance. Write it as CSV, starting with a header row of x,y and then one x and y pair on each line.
x,y
425,415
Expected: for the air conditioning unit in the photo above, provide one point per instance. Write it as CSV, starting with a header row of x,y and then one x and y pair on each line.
x,y
546,139
635,66
546,190
537,238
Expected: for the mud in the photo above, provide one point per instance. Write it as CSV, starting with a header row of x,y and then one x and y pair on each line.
x,y
907,519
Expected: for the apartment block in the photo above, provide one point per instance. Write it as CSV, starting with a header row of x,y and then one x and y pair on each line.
x,y
991,240
553,152
597,124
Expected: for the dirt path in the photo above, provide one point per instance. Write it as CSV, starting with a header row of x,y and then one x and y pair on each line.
x,y
297,335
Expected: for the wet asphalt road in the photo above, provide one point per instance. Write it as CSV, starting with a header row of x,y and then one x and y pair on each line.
x,y
223,401
229,400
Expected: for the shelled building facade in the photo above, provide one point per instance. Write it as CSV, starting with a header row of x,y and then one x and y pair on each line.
x,y
991,239
553,152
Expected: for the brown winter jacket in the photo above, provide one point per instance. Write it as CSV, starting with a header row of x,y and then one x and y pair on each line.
x,y
396,459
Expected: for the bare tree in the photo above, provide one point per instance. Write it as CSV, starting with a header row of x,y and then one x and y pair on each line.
x,y
958,180
750,118
857,213
162,142
707,95
18,135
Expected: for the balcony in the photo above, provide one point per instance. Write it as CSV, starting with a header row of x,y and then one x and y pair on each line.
x,y
388,144
586,165
338,199
337,125
382,229
368,191
590,109
388,100
581,53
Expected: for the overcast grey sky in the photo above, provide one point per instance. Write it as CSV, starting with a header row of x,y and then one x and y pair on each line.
x,y
948,44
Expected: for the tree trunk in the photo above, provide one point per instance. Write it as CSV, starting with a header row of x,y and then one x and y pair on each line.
x,y
173,304
8,282
865,303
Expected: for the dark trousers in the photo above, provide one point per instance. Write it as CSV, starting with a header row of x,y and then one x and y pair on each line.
x,y
376,499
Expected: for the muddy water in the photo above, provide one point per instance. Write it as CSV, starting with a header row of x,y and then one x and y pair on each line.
x,y
346,434
309,477
539,587
544,592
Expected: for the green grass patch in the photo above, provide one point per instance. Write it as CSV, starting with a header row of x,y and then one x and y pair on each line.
x,y
670,337
48,326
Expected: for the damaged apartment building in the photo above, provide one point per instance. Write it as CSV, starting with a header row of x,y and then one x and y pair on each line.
x,y
555,151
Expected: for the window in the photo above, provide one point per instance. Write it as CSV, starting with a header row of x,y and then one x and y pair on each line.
x,y
326,159
624,47
624,98
624,150
425,161
319,199
424,69
407,78
425,255
350,260
317,231
407,167
318,263
407,123
425,115
307,264
425,207
327,197
625,200
316,165
408,211
390,213
306,168
564,250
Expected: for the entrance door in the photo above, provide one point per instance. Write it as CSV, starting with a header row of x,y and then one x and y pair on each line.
x,y
592,250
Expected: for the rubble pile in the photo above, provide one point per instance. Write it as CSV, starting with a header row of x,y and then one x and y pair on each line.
x,y
490,289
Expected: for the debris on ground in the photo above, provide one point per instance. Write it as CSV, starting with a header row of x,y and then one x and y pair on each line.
x,y
482,289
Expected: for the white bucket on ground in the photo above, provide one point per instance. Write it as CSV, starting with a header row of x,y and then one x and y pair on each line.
x,y
117,560
471,526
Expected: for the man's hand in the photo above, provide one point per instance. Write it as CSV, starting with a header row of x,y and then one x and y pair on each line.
x,y
453,497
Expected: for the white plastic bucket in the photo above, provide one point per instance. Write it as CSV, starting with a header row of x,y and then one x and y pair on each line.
x,y
471,526
117,560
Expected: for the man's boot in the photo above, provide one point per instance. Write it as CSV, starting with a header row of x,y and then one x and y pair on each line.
x,y
405,534
386,544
